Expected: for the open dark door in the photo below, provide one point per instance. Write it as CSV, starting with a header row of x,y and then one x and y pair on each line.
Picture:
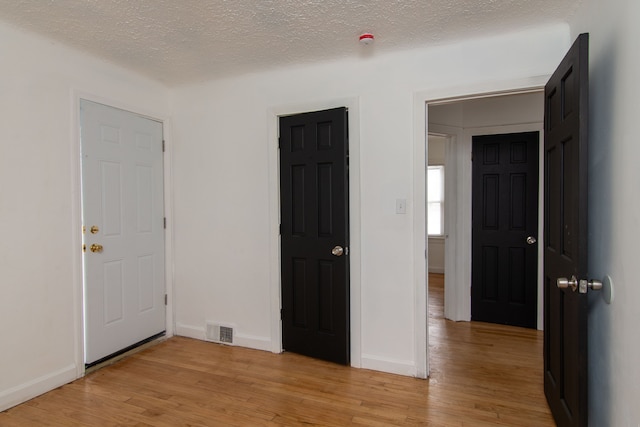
x,y
565,237
314,234
504,268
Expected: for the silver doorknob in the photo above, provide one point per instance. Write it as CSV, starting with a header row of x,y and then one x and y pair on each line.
x,y
337,251
594,285
564,283
581,285
531,240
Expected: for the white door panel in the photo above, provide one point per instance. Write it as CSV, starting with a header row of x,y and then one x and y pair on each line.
x,y
122,196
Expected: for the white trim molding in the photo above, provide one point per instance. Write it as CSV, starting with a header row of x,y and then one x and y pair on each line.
x,y
36,387
421,101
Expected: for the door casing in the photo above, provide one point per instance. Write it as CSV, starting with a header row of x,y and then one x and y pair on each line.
x,y
274,113
421,102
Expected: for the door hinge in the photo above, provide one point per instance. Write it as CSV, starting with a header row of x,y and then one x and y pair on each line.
x,y
163,146
166,299
164,222
280,229
279,143
281,313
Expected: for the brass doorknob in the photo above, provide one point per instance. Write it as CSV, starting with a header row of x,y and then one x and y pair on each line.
x,y
95,248
337,251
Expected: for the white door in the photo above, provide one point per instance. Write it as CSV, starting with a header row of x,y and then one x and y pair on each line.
x,y
123,220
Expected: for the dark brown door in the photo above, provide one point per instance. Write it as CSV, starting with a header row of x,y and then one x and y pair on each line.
x,y
565,236
504,283
314,234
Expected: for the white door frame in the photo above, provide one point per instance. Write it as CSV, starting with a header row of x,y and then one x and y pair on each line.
x,y
421,101
273,114
76,220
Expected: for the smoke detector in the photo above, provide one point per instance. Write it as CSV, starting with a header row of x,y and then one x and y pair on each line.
x,y
366,38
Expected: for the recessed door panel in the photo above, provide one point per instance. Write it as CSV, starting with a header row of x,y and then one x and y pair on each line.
x,y
325,200
111,198
298,188
299,290
325,296
112,283
144,199
146,283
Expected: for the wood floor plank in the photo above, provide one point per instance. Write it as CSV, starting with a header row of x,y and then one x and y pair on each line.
x,y
481,375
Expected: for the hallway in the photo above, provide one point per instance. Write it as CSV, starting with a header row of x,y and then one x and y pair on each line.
x,y
487,367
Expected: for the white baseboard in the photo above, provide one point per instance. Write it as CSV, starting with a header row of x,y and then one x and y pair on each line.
x,y
400,367
240,340
190,331
257,343
375,363
23,392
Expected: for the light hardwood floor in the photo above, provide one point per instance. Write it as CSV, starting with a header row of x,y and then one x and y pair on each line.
x,y
481,375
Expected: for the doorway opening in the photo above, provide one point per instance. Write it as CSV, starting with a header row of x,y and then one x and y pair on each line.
x,y
459,119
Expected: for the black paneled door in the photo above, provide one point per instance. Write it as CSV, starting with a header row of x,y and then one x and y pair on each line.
x,y
505,229
565,237
314,234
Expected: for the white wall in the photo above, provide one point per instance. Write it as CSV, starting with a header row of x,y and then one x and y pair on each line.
x,y
224,190
40,276
224,186
614,208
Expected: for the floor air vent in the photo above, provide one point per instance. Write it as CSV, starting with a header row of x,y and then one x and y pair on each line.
x,y
226,334
219,333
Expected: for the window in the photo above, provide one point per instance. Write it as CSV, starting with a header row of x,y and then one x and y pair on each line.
x,y
435,200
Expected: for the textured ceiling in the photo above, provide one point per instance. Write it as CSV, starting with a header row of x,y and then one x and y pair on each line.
x,y
182,41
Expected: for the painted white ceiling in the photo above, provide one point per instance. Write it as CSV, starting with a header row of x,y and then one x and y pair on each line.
x,y
182,41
